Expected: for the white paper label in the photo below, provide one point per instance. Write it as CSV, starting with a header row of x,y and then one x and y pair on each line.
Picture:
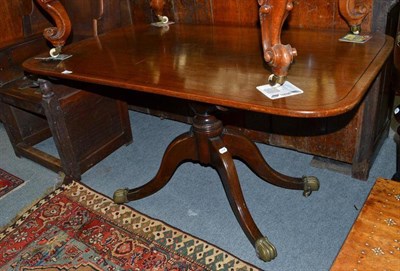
x,y
356,38
279,91
60,57
161,24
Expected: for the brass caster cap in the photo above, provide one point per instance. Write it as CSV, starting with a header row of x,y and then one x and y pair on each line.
x,y
265,250
311,184
275,79
121,196
55,52
355,29
164,19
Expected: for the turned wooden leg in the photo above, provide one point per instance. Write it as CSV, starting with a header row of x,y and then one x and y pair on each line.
x,y
244,149
180,149
223,162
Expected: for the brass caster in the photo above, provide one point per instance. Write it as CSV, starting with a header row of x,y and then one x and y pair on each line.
x,y
163,19
55,52
355,29
274,79
121,196
311,183
265,250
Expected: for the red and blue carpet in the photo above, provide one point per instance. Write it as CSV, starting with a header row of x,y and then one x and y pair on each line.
x,y
76,228
8,182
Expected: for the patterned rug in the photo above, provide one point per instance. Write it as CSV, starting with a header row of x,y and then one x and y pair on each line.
x,y
76,228
8,182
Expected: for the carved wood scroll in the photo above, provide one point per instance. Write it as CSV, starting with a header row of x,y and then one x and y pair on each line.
x,y
273,14
59,34
353,12
158,7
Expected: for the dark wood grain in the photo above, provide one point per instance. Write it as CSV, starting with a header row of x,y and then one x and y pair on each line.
x,y
196,63
310,14
20,18
191,11
93,17
235,12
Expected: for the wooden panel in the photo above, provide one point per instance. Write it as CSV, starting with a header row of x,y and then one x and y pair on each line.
x,y
82,14
141,11
192,11
91,17
19,19
38,19
322,14
373,242
236,12
11,23
86,127
311,14
322,137
315,14
12,57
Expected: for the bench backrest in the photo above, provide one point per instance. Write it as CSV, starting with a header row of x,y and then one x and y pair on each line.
x,y
22,23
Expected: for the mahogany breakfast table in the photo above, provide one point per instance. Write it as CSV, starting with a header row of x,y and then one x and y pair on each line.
x,y
212,68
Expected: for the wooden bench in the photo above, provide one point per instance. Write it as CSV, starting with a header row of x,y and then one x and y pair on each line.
x,y
85,127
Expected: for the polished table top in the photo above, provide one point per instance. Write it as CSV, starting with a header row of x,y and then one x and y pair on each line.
x,y
224,65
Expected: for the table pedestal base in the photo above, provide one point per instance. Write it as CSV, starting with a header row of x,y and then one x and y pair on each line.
x,y
209,143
